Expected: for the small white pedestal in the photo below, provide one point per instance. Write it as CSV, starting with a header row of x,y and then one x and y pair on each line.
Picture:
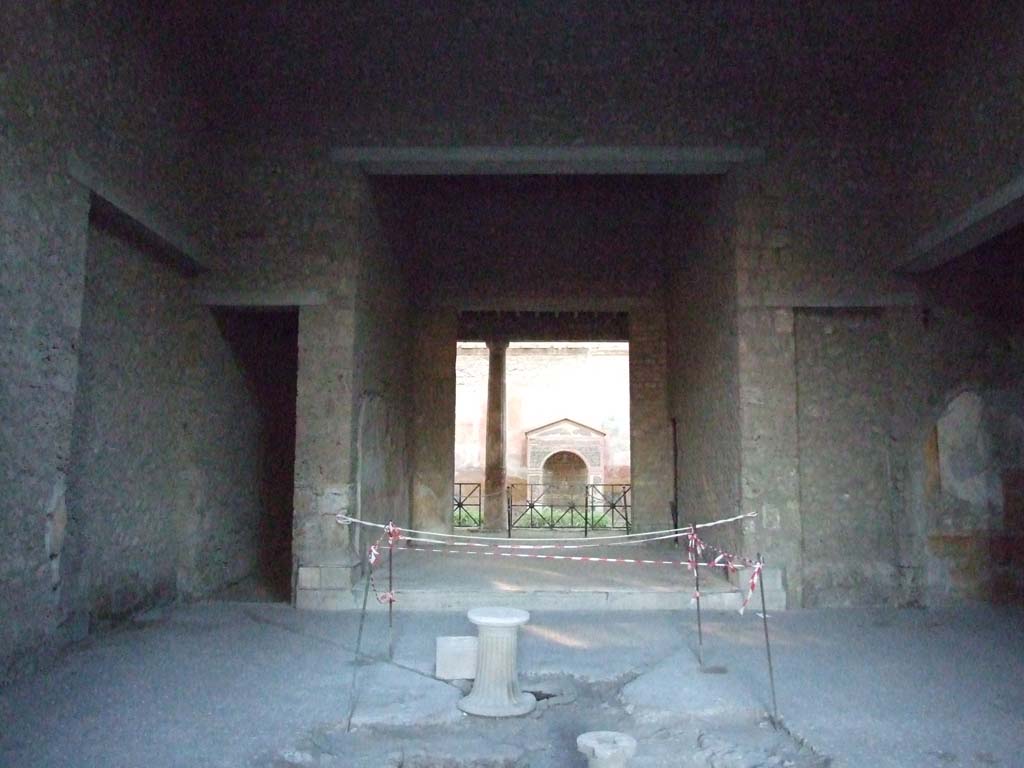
x,y
606,749
496,691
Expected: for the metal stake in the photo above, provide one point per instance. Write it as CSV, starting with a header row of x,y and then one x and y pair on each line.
x,y
508,507
674,509
391,600
767,645
355,656
696,587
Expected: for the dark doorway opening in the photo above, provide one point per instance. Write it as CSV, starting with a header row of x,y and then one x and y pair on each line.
x,y
265,343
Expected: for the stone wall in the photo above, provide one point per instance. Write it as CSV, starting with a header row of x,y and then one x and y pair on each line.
x,y
650,435
164,479
110,83
963,117
844,410
356,383
937,355
703,367
383,366
433,422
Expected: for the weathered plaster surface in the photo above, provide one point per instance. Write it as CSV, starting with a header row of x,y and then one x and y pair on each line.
x,y
769,474
964,116
703,364
843,416
102,80
649,427
433,420
165,473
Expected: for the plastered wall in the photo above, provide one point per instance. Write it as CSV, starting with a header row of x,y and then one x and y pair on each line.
x,y
703,359
100,81
164,479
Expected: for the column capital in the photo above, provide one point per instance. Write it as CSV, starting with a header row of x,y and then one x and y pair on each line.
x,y
497,343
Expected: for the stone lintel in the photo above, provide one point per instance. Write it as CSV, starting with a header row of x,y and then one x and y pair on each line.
x,y
141,213
271,297
806,300
984,220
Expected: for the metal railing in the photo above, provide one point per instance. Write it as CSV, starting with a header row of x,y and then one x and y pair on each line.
x,y
610,505
466,508
536,505
590,508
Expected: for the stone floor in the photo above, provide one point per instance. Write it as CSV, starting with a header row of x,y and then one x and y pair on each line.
x,y
232,684
458,579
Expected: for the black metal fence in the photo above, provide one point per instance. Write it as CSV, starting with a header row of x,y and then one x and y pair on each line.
x,y
536,505
467,508
588,508
610,505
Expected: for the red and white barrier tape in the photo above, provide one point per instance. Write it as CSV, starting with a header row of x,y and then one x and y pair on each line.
x,y
695,547
754,576
589,544
393,534
666,533
570,558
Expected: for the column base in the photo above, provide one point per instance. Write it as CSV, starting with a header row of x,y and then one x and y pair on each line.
x,y
524,704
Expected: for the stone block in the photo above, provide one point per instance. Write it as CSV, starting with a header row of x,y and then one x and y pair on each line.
x,y
324,600
336,577
455,658
305,503
309,577
333,537
783,321
336,499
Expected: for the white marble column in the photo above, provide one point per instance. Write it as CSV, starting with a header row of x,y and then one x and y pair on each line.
x,y
496,691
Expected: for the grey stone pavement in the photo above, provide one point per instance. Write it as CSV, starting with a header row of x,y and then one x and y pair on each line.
x,y
225,684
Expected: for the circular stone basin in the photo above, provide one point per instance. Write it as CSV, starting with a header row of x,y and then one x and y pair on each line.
x,y
498,617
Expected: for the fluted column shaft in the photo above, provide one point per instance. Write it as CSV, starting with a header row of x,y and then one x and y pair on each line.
x,y
496,691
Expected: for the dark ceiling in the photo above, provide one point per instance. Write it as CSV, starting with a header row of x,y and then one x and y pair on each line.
x,y
367,64
988,280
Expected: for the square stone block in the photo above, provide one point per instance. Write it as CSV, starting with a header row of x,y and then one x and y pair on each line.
x,y
336,577
456,658
309,577
336,499
324,600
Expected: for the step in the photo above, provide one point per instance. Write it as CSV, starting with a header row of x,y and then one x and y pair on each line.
x,y
558,600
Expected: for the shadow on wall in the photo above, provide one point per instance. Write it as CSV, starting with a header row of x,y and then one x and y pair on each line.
x,y
974,497
265,343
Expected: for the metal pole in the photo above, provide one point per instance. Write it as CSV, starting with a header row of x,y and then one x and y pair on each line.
x,y
696,588
355,656
508,506
391,600
767,645
675,480
586,511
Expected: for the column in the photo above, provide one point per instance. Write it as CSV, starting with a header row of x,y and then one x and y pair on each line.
x,y
495,518
496,691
